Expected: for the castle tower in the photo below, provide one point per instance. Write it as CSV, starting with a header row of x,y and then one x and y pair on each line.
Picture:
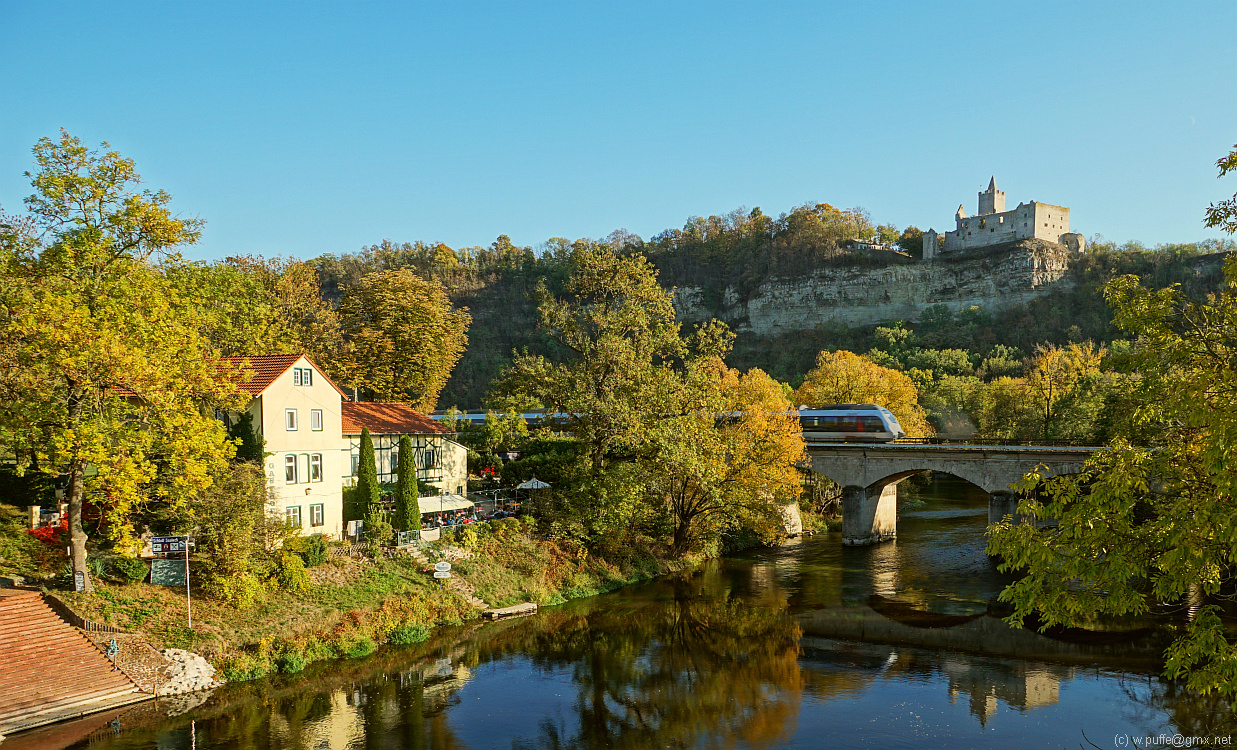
x,y
991,201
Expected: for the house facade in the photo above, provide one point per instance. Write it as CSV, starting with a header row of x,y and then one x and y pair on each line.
x,y
439,460
296,410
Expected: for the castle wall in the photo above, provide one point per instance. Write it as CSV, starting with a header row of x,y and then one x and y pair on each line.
x,y
1050,221
1029,220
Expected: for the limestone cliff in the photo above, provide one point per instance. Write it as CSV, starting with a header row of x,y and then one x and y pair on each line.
x,y
993,278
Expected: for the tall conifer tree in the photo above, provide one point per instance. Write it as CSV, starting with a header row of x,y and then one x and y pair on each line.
x,y
407,511
367,481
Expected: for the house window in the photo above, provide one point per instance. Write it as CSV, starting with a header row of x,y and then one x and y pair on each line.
x,y
431,460
356,464
315,419
302,376
315,515
315,467
293,515
289,469
289,419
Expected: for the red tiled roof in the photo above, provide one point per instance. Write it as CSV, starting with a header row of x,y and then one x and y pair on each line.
x,y
267,367
383,418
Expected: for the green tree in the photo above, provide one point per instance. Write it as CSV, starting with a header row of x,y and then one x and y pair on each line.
x,y
403,335
368,494
98,365
1149,523
407,511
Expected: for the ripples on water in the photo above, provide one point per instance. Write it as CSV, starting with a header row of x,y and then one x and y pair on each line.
x,y
808,645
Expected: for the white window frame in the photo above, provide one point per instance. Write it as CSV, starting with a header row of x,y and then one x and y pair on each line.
x,y
294,512
289,462
315,420
303,376
315,467
317,514
356,464
289,420
296,376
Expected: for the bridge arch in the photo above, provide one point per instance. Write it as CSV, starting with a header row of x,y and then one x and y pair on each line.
x,y
869,475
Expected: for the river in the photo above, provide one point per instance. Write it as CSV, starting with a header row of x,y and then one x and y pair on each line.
x,y
804,646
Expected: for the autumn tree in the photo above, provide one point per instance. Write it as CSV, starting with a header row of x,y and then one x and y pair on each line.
x,y
254,305
618,329
403,337
98,367
729,461
1059,378
648,408
846,378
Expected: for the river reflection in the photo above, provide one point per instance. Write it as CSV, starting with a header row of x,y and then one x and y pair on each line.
x,y
808,645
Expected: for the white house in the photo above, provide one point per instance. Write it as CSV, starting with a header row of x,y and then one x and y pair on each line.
x,y
296,410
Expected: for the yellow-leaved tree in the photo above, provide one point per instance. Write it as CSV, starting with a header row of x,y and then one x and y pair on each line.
x,y
843,377
101,365
729,460
403,337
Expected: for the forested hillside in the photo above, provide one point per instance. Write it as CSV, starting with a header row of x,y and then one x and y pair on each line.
x,y
740,251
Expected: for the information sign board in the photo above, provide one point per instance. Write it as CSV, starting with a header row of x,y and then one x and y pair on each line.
x,y
163,545
79,581
442,566
442,574
167,572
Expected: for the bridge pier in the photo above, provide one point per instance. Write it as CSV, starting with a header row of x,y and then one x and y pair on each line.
x,y
869,514
1001,504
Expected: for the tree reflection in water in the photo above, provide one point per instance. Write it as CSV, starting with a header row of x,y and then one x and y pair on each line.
x,y
708,671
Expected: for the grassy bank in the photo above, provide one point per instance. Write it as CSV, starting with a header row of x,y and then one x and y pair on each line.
x,y
354,605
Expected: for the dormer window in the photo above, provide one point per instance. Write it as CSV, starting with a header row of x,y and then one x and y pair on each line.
x,y
302,376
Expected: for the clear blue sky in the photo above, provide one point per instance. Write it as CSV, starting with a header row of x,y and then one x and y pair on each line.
x,y
308,128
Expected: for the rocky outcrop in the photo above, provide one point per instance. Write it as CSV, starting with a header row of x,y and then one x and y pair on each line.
x,y
991,278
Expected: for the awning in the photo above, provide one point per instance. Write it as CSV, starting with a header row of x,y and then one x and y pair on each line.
x,y
439,503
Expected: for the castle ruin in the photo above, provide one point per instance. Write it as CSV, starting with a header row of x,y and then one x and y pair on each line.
x,y
994,225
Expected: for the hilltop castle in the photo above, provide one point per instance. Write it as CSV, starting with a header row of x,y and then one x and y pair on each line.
x,y
994,225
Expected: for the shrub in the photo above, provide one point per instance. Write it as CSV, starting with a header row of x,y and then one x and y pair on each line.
x,y
292,661
314,552
129,569
467,537
241,590
362,646
245,666
291,575
409,633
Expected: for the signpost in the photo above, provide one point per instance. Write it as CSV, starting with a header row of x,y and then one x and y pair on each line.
x,y
443,566
169,573
442,571
442,574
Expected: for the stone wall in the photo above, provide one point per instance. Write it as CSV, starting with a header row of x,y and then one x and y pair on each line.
x,y
992,278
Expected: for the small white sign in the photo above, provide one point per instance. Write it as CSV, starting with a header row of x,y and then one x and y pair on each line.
x,y
442,574
442,566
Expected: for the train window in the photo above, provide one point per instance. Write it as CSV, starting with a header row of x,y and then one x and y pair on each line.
x,y
872,424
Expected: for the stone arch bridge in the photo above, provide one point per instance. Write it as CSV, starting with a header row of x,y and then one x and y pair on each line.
x,y
869,475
